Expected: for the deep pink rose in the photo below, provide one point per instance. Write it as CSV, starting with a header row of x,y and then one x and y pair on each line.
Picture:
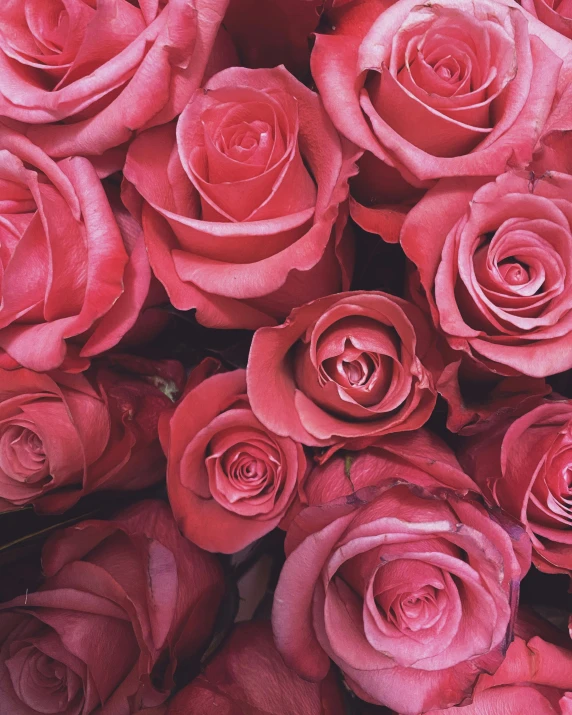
x,y
230,479
524,466
557,14
343,368
63,436
240,202
122,603
495,262
410,591
91,72
75,275
454,88
249,677
535,677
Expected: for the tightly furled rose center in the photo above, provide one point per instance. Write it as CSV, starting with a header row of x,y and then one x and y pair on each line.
x,y
22,455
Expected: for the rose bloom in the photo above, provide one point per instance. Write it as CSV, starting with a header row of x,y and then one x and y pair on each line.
x,y
495,262
123,601
455,88
65,435
75,275
524,466
249,676
240,202
91,72
409,589
535,677
557,14
230,480
341,368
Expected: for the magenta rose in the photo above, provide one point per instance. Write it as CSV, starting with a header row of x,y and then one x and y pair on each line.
x,y
524,466
410,591
122,603
64,435
343,369
249,676
240,202
430,90
495,262
230,479
88,73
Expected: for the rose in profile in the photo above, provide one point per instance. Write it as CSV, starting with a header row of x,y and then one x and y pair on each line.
x,y
243,203
87,73
524,465
343,369
66,435
249,676
494,261
230,479
431,90
410,591
123,602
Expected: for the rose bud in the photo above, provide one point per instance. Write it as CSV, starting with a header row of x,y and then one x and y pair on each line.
x,y
240,202
75,272
557,14
524,466
123,602
341,368
91,73
249,676
495,262
430,90
535,677
410,591
230,479
64,435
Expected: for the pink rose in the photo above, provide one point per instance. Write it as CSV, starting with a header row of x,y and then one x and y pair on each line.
x,y
535,677
495,262
410,591
88,73
249,676
75,275
64,435
230,479
240,202
454,88
557,14
123,601
524,467
341,368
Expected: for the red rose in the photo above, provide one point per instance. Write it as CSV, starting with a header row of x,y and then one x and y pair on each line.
x,y
240,203
454,88
524,466
410,591
91,72
123,601
230,480
63,436
495,261
344,367
557,14
249,676
75,272
535,677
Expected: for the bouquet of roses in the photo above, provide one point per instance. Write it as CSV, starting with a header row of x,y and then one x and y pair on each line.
x,y
285,357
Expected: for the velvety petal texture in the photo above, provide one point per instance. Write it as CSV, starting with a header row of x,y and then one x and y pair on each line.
x,y
244,202
410,591
230,479
525,466
84,75
249,676
495,263
344,369
430,90
123,600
